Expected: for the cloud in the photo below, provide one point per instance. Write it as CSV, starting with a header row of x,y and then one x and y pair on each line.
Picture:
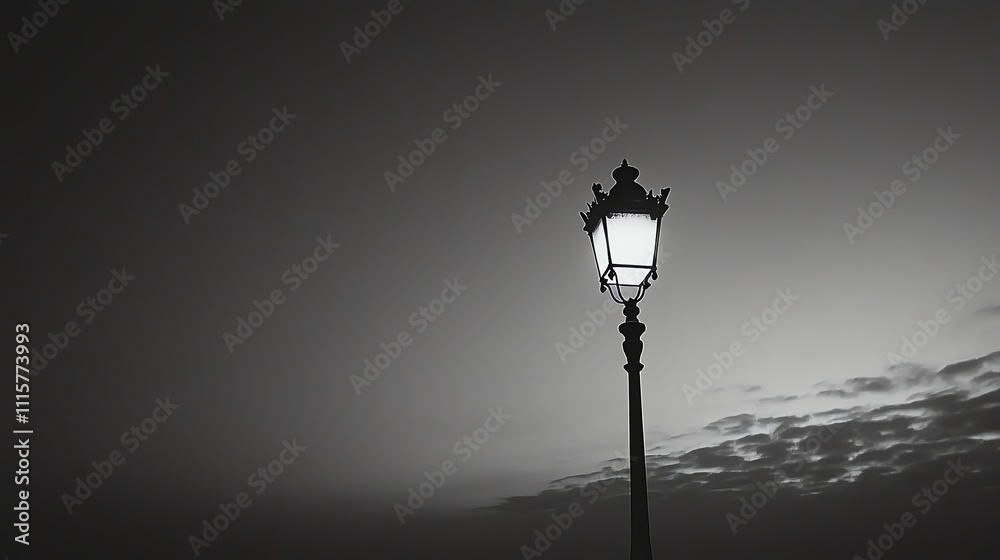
x,y
904,376
871,384
990,377
968,367
737,424
778,398
843,393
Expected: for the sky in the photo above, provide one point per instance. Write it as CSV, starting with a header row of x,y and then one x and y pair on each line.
x,y
354,237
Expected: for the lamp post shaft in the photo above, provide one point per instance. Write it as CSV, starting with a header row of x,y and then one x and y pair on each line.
x,y
632,329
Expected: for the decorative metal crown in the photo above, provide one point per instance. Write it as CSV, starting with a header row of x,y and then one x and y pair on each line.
x,y
625,196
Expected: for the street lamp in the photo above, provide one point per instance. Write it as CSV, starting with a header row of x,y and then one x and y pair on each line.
x,y
624,229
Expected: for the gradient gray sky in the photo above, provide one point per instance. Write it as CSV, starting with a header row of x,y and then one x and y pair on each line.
x,y
495,345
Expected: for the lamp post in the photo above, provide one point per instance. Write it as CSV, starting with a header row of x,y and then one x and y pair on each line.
x,y
624,229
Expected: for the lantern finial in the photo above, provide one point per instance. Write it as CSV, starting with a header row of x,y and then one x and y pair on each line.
x,y
625,187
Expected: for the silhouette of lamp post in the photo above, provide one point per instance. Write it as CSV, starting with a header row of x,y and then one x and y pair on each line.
x,y
624,229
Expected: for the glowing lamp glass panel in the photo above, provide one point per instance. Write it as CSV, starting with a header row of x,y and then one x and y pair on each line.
x,y
600,241
631,242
